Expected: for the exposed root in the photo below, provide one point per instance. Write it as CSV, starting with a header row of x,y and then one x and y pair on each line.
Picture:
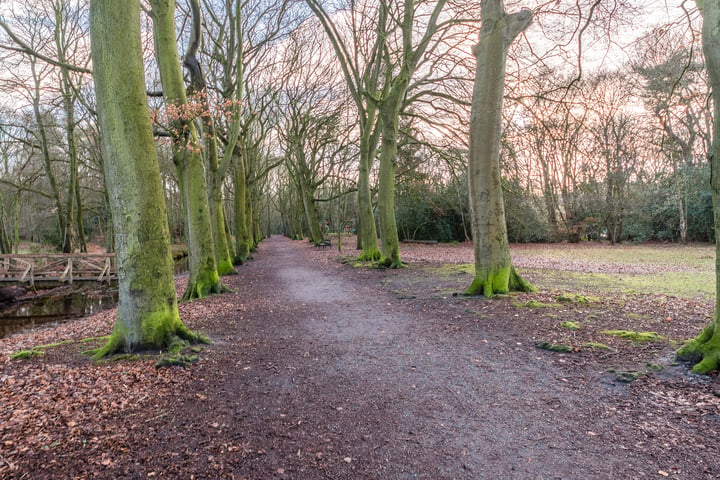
x,y
703,351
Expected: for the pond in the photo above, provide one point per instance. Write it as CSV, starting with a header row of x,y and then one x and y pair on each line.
x,y
53,308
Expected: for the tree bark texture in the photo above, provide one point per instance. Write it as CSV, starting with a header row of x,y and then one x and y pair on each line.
x,y
242,238
704,350
493,269
147,315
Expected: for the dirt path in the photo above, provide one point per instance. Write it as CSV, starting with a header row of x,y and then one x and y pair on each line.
x,y
344,380
318,371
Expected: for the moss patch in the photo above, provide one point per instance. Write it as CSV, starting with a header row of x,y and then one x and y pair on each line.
x,y
176,360
635,336
627,376
596,345
38,350
570,325
22,354
575,298
556,347
95,339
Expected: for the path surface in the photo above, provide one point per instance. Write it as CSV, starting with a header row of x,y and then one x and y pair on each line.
x,y
336,378
319,371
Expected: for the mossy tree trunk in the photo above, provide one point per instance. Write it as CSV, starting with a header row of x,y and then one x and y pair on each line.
x,y
367,234
215,169
390,104
389,241
147,315
203,274
239,133
311,213
704,350
242,238
66,90
494,272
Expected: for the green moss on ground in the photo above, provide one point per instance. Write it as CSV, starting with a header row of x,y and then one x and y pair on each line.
x,y
556,347
23,354
38,350
635,336
575,298
570,325
596,345
681,284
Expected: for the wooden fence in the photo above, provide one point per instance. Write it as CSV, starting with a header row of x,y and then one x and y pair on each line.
x,y
47,270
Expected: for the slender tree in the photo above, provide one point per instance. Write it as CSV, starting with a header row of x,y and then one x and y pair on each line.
x,y
147,315
187,156
494,272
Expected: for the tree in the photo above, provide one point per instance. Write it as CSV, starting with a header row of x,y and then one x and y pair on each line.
x,y
494,272
394,42
313,132
675,91
147,315
704,350
240,37
187,156
362,76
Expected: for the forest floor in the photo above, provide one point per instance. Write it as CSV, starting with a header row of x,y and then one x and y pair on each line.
x,y
326,370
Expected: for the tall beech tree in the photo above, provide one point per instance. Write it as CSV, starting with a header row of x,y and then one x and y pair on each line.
x,y
704,350
494,272
187,156
147,315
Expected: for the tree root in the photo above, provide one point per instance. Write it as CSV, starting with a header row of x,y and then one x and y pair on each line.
x,y
703,351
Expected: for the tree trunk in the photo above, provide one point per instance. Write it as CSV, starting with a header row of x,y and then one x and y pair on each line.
x,y
79,220
242,238
367,232
389,242
203,275
215,172
704,350
311,213
147,314
45,150
494,272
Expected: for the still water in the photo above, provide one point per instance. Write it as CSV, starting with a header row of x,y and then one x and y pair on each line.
x,y
43,310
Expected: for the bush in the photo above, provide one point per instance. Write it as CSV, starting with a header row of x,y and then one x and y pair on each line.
x,y
432,212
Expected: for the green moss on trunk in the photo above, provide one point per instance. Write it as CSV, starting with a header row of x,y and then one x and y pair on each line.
x,y
161,330
207,284
502,280
371,255
704,351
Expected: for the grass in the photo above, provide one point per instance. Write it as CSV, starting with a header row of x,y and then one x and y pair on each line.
x,y
680,270
694,256
680,284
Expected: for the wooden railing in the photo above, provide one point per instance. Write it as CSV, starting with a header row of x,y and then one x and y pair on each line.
x,y
58,269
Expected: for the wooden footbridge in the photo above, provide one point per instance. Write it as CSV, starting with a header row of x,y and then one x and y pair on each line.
x,y
52,270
